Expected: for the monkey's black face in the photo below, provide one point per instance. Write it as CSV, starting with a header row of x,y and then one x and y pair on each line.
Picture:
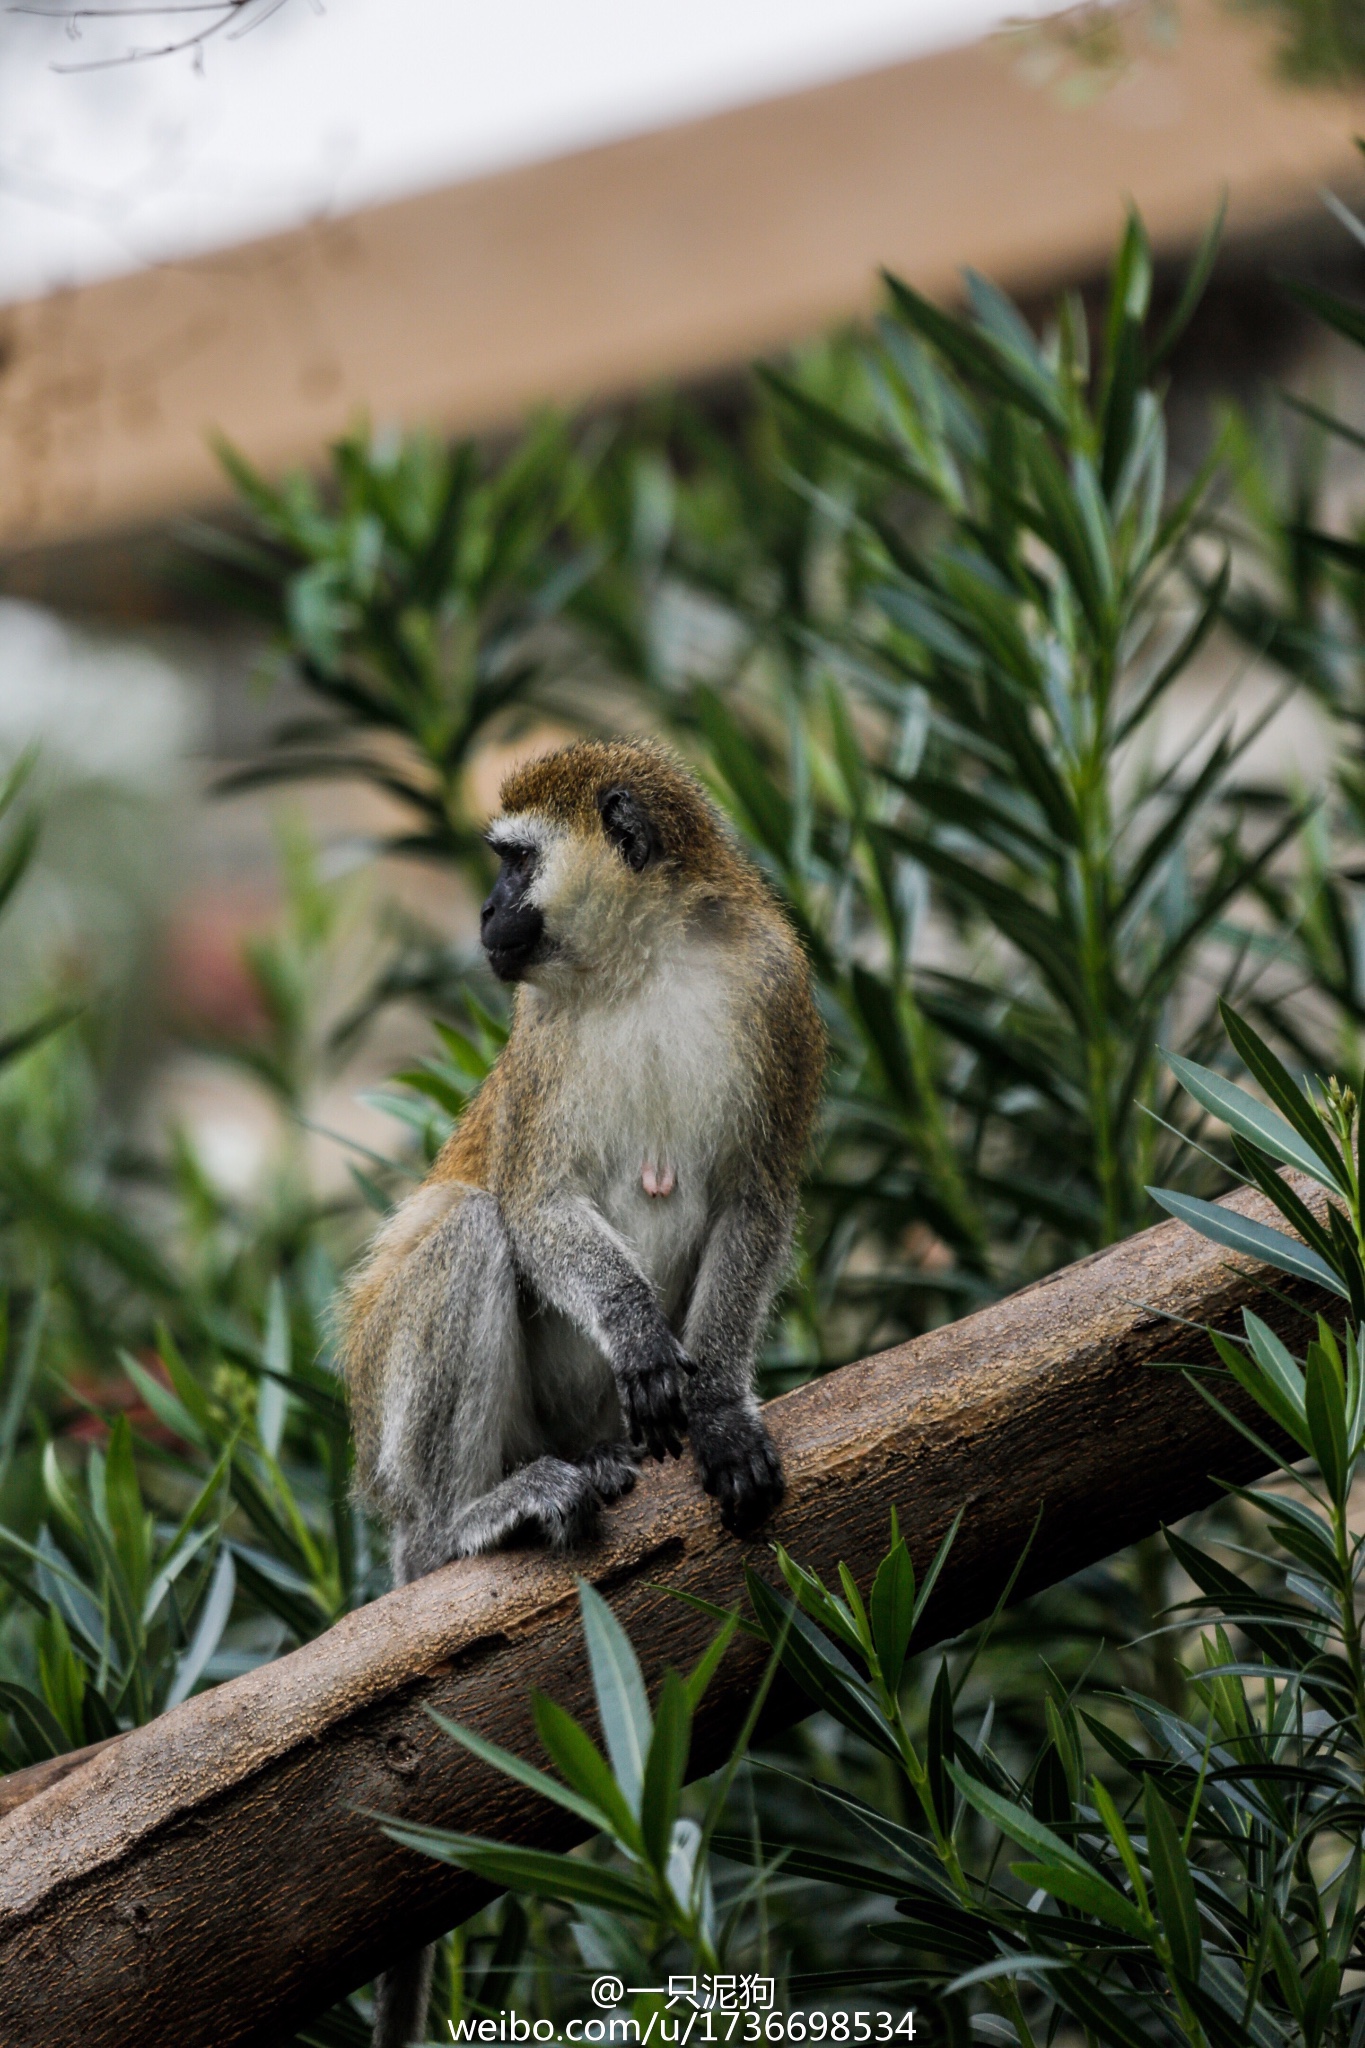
x,y
511,928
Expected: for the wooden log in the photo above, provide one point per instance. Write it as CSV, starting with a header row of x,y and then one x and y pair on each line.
x,y
214,1878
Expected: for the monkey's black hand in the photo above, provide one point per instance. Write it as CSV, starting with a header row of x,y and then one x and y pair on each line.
x,y
651,1385
738,1463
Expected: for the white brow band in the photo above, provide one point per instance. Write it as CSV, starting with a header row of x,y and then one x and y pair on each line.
x,y
522,828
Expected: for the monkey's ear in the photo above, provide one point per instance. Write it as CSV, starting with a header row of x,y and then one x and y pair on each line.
x,y
627,826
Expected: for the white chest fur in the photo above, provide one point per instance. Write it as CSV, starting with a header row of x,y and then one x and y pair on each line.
x,y
655,1097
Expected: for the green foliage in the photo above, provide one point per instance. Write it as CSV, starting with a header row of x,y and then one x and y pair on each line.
x,y
1322,42
209,1526
131,1611
976,732
413,605
1300,601
651,1902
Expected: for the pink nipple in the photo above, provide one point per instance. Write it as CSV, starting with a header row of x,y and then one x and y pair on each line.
x,y
656,1180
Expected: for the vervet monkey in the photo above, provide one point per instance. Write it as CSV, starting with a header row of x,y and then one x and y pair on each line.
x,y
587,1271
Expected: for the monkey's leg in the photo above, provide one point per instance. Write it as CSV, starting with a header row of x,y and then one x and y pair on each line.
x,y
738,1276
577,1263
401,1996
457,1411
550,1500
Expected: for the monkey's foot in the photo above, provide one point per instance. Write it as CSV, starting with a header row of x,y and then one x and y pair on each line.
x,y
739,1465
549,1501
613,1469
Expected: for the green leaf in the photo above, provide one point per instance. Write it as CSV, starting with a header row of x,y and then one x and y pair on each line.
x,y
884,455
208,1633
130,1524
939,1743
21,1357
622,1702
704,1670
879,1014
535,1871
1251,1119
1264,1390
1088,1890
1324,1405
1095,2009
167,1407
1002,371
940,1558
912,1853
39,1729
1120,1837
1325,1982
272,1394
825,1609
1192,291
891,1606
522,1773
1291,1206
1276,1361
1338,313
14,1044
1180,656
578,1759
187,1387
1240,1234
1172,1883
1036,934
1017,1822
765,809
665,1768
1290,1100
818,1668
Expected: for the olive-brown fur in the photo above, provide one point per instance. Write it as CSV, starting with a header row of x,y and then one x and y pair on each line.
x,y
510,1142
593,1255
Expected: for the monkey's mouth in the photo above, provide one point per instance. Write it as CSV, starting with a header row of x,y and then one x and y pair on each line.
x,y
514,944
510,965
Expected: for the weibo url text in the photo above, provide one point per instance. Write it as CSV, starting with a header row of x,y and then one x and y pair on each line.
x,y
703,2028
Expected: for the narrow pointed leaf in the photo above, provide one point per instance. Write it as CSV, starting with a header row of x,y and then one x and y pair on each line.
x,y
665,1768
892,1612
622,1703
1172,1883
581,1763
522,1773
534,1871
1250,1119
1257,1240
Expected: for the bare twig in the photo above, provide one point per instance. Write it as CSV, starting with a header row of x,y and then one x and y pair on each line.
x,y
227,18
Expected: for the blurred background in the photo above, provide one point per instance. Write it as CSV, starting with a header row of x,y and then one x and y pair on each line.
x,y
377,405
293,220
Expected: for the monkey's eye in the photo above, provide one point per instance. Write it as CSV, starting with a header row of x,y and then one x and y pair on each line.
x,y
516,855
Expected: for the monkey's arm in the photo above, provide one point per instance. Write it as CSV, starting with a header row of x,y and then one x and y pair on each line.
x,y
736,1281
573,1259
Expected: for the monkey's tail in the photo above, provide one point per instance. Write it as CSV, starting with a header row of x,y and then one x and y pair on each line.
x,y
401,1995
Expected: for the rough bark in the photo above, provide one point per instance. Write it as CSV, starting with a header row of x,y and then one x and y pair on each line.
x,y
214,1878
